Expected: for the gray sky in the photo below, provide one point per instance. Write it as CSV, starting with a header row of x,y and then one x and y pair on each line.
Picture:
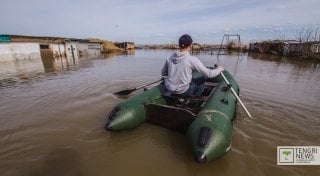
x,y
162,21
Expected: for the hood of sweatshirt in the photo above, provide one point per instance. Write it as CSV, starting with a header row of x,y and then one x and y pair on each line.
x,y
179,56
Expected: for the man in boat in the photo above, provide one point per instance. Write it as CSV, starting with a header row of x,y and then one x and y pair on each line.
x,y
179,67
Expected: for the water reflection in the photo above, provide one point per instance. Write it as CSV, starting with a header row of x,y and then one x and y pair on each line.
x,y
51,63
13,72
111,55
114,54
298,63
23,71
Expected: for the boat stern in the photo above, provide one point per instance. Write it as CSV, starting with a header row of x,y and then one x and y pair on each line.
x,y
210,137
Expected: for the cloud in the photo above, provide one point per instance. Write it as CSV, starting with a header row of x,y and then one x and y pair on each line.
x,y
160,35
155,21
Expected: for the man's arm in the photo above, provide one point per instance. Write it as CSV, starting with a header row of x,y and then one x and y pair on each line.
x,y
209,73
164,71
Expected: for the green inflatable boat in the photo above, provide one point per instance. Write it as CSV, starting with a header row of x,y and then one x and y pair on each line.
x,y
207,120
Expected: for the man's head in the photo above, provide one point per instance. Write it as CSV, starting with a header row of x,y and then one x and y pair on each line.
x,y
185,41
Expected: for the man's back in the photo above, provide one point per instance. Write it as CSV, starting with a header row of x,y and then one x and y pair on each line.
x,y
179,67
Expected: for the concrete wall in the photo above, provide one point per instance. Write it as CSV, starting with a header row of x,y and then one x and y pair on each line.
x,y
15,51
82,49
94,48
58,50
88,49
72,51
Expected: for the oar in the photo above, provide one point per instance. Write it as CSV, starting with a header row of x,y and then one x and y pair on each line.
x,y
128,91
235,94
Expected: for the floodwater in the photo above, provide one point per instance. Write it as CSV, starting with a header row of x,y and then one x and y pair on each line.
x,y
52,115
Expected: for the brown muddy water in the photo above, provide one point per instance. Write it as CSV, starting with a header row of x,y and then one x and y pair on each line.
x,y
52,116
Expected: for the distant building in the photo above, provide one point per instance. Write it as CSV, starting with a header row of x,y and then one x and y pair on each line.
x,y
94,47
315,47
196,46
273,47
15,47
4,38
88,47
287,48
125,45
292,47
11,50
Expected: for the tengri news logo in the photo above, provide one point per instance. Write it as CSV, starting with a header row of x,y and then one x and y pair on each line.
x,y
298,155
286,155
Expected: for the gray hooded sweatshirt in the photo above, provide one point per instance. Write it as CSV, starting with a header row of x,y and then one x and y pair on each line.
x,y
178,69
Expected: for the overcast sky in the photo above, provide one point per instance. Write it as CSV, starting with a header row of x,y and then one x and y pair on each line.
x,y
161,21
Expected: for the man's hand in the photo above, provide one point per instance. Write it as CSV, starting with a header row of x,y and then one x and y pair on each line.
x,y
220,68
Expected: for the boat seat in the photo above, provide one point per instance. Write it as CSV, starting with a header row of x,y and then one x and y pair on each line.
x,y
211,84
176,96
169,116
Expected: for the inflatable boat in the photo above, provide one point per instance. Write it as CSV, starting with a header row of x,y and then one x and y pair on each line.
x,y
206,120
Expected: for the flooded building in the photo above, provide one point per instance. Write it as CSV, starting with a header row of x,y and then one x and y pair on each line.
x,y
287,48
272,47
19,51
89,47
292,48
125,45
94,47
196,46
315,47
281,47
15,47
11,50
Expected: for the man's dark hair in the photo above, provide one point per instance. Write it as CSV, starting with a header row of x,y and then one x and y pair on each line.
x,y
185,41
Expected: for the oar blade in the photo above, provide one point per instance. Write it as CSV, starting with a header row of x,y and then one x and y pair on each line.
x,y
124,92
128,91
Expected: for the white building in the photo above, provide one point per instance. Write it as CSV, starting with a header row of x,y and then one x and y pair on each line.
x,y
13,51
14,48
88,49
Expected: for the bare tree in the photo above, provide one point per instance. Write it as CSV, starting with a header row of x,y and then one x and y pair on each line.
x,y
307,36
278,35
310,34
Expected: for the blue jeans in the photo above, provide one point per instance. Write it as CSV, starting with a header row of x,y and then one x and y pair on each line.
x,y
196,87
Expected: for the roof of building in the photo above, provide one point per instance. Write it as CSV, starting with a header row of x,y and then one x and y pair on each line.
x,y
46,39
